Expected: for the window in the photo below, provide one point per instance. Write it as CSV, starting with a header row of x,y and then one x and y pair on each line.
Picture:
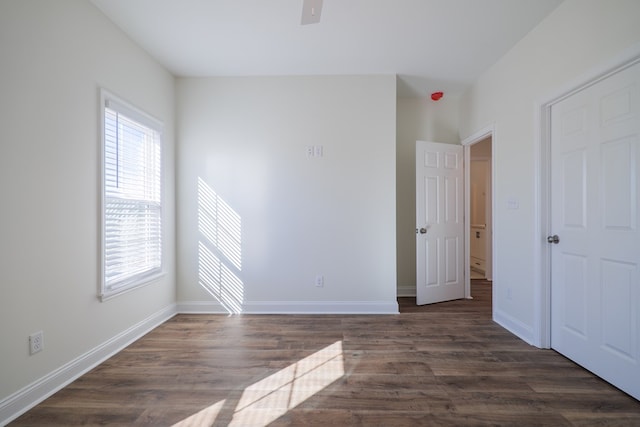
x,y
131,197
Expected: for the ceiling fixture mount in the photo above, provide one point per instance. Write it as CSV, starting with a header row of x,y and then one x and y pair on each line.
x,y
437,96
311,11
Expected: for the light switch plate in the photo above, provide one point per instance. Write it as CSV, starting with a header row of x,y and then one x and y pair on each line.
x,y
311,10
513,203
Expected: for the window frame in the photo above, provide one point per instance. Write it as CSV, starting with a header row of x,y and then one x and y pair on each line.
x,y
112,102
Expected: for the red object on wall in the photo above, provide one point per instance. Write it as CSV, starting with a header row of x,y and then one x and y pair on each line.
x,y
436,96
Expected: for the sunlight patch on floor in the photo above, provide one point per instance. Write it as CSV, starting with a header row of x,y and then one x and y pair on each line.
x,y
203,418
266,400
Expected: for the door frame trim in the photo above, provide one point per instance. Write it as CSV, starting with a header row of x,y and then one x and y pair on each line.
x,y
542,191
488,131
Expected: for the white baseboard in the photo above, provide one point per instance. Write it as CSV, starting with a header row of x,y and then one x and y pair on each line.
x,y
407,290
294,307
20,402
201,307
516,327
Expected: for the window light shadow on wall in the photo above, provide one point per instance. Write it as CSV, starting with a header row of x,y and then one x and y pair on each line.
x,y
219,249
265,401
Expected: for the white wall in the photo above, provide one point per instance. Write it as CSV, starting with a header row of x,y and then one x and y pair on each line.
x,y
55,57
425,120
577,37
244,139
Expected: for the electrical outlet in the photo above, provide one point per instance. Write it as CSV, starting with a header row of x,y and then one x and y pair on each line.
x,y
36,342
319,281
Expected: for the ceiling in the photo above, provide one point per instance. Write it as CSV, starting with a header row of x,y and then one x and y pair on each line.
x,y
430,44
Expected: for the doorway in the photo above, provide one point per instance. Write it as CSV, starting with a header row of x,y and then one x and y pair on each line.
x,y
478,194
480,230
444,272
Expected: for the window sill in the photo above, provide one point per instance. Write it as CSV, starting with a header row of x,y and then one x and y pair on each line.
x,y
105,296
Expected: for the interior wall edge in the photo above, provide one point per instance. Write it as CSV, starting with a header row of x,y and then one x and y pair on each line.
x,y
513,325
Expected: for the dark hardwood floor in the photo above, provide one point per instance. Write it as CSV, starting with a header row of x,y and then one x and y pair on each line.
x,y
446,364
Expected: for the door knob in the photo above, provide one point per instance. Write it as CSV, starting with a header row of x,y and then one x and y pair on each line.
x,y
553,239
423,230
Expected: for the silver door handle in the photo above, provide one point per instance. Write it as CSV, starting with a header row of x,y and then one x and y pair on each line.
x,y
423,230
553,239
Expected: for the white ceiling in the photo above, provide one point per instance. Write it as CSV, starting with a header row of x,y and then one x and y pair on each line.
x,y
431,44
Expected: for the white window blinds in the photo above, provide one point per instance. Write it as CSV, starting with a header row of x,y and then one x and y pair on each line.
x,y
132,195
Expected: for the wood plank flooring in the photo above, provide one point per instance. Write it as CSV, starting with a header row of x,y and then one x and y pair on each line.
x,y
446,364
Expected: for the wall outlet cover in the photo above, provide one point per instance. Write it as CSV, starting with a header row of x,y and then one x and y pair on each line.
x,y
36,342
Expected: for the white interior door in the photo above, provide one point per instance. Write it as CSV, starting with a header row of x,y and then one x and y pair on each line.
x,y
595,184
440,222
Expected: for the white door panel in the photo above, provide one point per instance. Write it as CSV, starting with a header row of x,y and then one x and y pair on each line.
x,y
595,273
440,225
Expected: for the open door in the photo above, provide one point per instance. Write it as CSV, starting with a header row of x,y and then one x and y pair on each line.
x,y
440,222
